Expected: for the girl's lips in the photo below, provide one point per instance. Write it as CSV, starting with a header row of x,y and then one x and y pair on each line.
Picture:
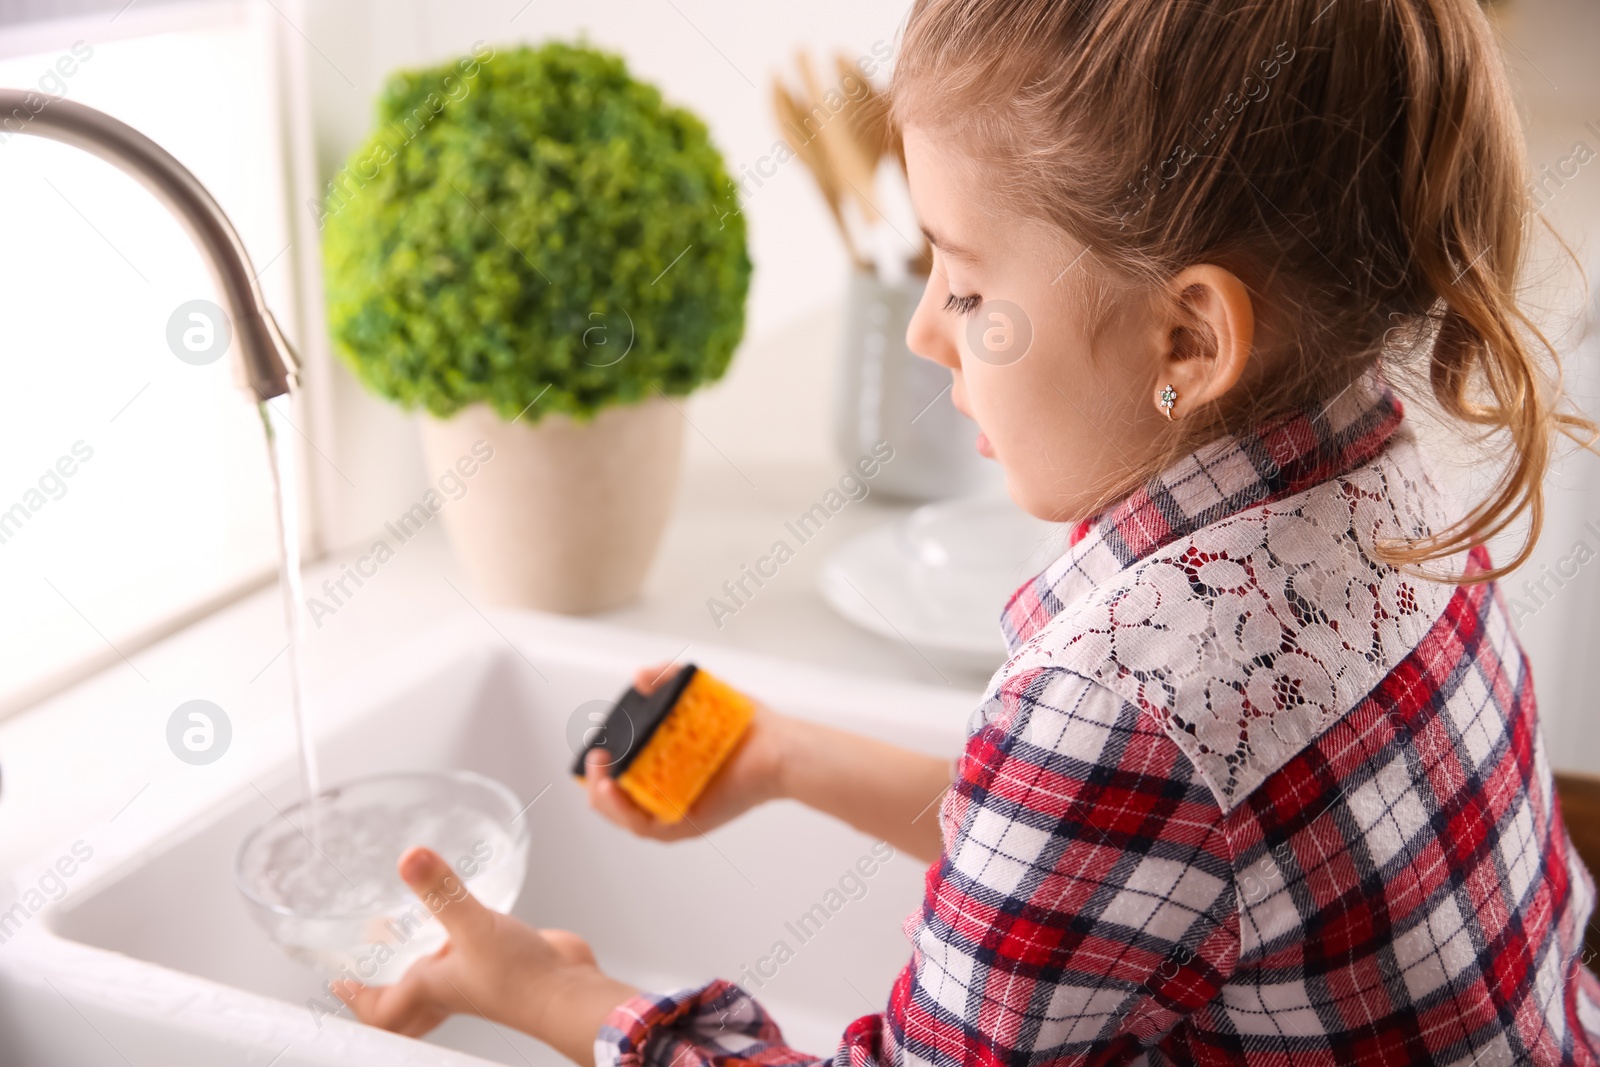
x,y
984,447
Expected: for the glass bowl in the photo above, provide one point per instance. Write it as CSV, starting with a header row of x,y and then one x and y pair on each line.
x,y
326,890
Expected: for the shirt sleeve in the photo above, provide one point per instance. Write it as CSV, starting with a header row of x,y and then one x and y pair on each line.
x,y
1083,907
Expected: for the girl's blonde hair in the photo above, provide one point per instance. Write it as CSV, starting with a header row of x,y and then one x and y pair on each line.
x,y
1358,163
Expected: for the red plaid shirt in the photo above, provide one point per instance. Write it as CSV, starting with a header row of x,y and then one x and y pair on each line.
x,y
1242,794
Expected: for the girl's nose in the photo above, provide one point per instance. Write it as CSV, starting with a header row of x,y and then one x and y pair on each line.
x,y
927,334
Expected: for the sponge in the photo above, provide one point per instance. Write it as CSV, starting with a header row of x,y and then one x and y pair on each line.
x,y
666,747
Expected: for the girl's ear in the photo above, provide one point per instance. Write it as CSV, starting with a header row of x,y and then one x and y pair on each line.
x,y
1209,340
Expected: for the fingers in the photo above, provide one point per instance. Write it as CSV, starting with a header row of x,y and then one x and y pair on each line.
x,y
609,800
446,897
606,797
647,679
403,1008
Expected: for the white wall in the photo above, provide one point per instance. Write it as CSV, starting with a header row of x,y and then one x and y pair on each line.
x,y
717,57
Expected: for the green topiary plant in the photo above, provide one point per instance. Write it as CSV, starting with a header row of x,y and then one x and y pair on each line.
x,y
534,227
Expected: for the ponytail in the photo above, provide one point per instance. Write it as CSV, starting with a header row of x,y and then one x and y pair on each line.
x,y
1465,209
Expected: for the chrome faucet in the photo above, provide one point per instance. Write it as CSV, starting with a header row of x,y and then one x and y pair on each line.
x,y
264,363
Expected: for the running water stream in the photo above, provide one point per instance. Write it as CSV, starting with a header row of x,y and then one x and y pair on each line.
x,y
286,505
325,885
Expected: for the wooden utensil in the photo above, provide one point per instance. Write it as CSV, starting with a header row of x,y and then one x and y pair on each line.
x,y
854,170
869,122
869,116
812,151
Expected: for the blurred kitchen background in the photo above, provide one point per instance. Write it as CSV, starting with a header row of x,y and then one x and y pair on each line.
x,y
170,519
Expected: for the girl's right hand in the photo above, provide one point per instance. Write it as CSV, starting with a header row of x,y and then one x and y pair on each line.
x,y
543,982
749,776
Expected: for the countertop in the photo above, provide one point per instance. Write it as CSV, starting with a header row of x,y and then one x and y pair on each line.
x,y
93,752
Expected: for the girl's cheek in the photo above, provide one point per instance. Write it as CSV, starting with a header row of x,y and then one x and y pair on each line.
x,y
1004,403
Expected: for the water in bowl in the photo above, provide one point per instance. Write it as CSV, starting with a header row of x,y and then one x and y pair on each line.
x,y
338,904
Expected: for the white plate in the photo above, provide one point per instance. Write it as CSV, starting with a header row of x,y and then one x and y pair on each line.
x,y
939,577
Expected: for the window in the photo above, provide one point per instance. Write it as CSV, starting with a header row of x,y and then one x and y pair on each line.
x,y
134,490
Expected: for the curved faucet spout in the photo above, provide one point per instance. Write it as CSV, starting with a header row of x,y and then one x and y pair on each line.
x,y
265,363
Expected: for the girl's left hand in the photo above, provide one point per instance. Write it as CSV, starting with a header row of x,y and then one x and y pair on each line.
x,y
543,982
749,777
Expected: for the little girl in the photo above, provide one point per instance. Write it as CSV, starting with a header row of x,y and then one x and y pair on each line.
x,y
1261,781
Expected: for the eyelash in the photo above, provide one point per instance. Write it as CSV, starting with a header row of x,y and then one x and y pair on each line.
x,y
964,305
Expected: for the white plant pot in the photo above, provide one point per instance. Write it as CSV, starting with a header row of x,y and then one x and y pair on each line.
x,y
564,516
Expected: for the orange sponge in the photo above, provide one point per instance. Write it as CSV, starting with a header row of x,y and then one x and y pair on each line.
x,y
666,747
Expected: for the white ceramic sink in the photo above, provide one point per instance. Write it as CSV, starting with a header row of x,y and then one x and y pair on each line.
x,y
152,959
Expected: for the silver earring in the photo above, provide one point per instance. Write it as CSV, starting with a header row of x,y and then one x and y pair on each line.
x,y
1169,397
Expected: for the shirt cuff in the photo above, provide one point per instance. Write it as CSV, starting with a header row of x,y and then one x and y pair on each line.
x,y
699,1025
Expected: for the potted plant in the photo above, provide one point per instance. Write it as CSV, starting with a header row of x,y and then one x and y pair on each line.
x,y
539,252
